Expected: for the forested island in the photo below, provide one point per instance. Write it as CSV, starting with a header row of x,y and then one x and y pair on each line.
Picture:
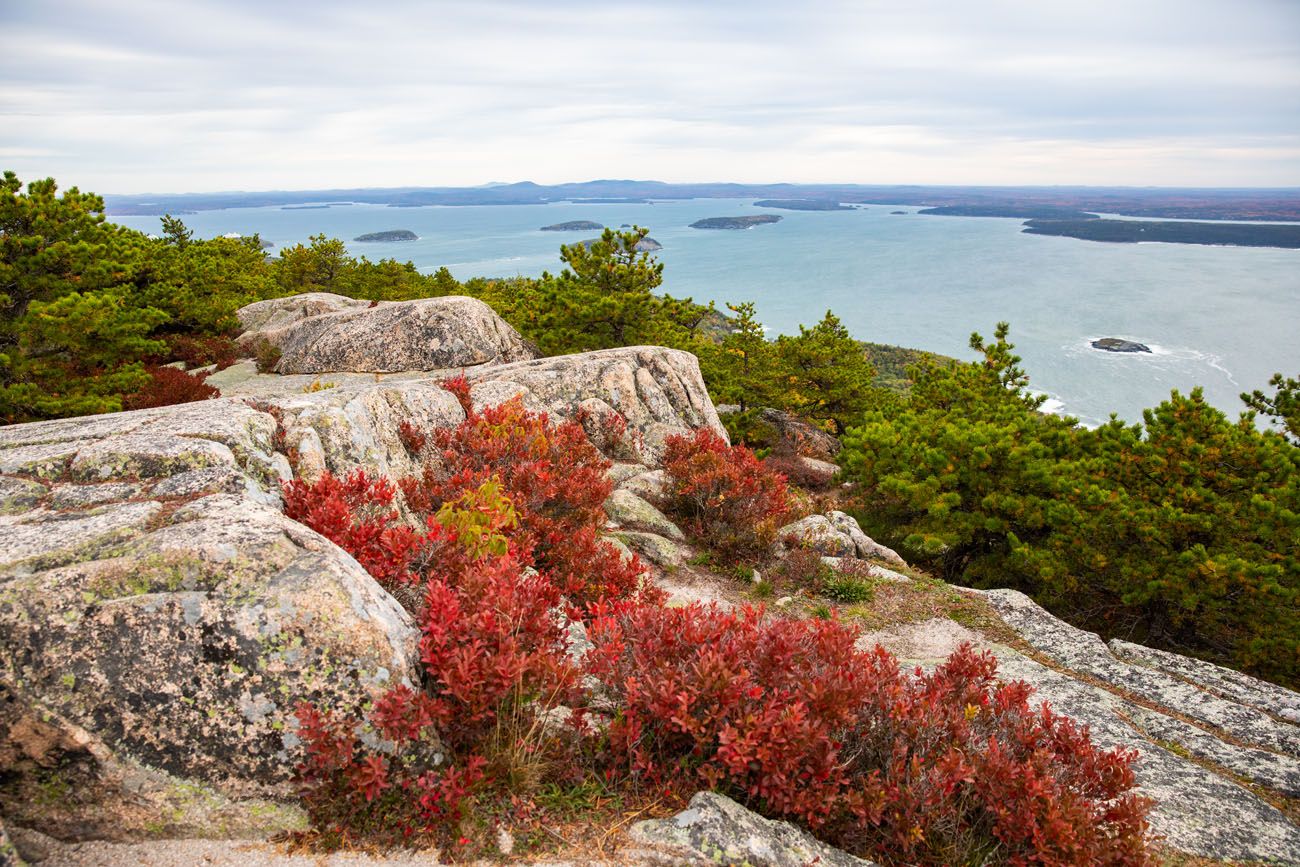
x,y
390,235
1135,231
803,205
735,222
573,226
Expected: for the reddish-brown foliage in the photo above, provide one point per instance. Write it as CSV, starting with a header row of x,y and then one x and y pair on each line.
x,y
940,769
413,439
168,386
786,715
459,386
725,495
356,514
355,795
554,477
491,644
202,351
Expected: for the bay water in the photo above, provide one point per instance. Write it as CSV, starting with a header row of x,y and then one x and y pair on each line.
x,y
1225,318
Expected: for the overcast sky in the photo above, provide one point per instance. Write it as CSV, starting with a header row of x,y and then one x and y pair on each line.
x,y
173,95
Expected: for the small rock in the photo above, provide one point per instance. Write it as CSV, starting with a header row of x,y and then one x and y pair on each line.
x,y
661,552
714,829
1114,344
505,842
627,509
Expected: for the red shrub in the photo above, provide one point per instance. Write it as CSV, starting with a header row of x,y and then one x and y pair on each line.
x,y
723,493
459,386
491,645
356,514
357,794
788,716
959,765
554,477
736,703
413,439
168,386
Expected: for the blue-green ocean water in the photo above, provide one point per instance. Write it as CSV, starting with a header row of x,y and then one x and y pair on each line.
x,y
1224,318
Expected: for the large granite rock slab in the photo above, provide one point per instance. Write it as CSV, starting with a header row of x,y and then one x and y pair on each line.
x,y
276,313
1197,748
353,421
427,334
160,618
658,391
1087,654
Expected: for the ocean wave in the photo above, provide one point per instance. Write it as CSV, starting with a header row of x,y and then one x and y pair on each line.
x,y
1169,358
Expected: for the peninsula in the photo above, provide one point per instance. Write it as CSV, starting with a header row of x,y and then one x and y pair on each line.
x,y
1179,232
390,235
735,222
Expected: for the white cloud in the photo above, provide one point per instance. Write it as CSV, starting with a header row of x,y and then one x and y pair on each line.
x,y
202,95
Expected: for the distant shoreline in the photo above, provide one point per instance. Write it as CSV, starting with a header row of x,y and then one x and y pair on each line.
x,y
1261,205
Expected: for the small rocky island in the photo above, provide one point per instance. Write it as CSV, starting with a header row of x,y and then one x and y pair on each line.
x,y
1114,344
573,226
803,205
390,235
735,222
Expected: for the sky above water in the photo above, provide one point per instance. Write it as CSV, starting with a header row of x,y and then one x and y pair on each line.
x,y
205,95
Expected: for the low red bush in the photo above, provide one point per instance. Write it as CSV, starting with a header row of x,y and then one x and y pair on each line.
x,y
168,386
724,494
555,479
357,795
357,514
942,769
412,438
492,645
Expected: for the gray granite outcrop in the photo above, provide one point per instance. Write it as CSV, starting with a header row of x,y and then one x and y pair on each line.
x,y
386,337
160,618
1197,750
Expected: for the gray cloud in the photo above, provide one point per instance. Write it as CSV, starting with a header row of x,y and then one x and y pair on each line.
x,y
214,94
